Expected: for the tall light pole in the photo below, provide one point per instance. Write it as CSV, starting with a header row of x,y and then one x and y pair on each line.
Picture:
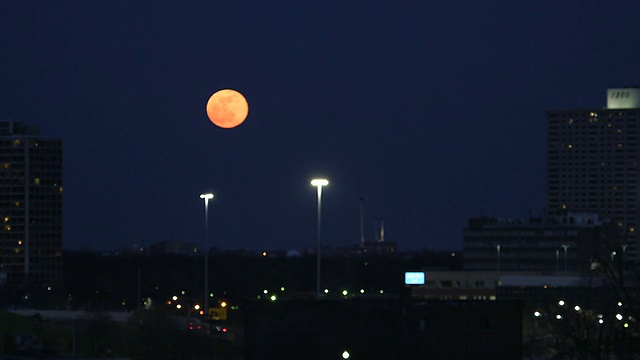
x,y
624,254
566,258
206,197
319,183
498,253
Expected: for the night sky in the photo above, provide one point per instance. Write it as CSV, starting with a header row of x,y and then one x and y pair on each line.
x,y
433,111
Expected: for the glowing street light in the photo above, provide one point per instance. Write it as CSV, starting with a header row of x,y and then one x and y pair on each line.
x,y
319,183
206,197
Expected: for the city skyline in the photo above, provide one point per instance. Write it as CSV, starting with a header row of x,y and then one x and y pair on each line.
x,y
433,113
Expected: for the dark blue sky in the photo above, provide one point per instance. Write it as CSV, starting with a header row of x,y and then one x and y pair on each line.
x,y
433,111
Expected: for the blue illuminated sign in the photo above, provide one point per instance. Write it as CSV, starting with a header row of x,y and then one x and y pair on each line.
x,y
414,278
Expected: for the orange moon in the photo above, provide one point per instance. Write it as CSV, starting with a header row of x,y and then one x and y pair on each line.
x,y
227,108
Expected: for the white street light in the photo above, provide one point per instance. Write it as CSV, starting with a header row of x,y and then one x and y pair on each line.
x,y
206,197
319,183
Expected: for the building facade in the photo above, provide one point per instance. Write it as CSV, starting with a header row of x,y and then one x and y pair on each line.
x,y
30,205
560,244
592,163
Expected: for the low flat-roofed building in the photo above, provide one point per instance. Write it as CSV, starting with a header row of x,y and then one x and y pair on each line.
x,y
491,285
457,285
562,244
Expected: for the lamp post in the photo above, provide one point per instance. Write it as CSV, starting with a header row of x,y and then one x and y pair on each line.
x,y
498,253
566,259
624,254
319,183
206,197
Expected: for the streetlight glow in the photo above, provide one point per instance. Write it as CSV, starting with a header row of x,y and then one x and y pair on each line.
x,y
319,183
206,197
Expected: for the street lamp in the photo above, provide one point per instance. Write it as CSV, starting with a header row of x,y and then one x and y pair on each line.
x,y
498,252
206,197
566,259
319,183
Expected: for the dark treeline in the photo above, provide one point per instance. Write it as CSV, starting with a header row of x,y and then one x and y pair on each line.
x,y
112,282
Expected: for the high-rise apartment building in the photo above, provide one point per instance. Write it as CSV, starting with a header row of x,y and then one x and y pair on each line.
x,y
30,204
592,163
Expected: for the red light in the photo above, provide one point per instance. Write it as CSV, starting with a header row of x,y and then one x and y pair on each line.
x,y
224,329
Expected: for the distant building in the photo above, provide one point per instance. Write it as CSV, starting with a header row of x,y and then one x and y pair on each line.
x,y
175,247
370,248
457,285
553,245
30,204
592,163
541,288
532,287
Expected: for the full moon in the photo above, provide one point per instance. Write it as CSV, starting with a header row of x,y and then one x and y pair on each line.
x,y
227,108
